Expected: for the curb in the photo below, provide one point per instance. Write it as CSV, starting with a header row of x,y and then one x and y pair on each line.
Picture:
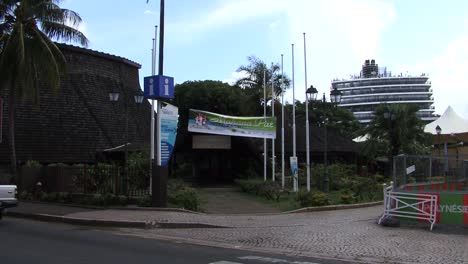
x,y
136,208
333,207
109,223
81,221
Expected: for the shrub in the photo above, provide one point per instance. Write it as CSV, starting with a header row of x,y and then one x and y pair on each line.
x,y
25,196
379,178
312,198
144,201
181,194
185,197
347,197
270,190
436,179
250,186
32,164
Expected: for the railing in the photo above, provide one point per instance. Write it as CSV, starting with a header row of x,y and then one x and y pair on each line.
x,y
409,205
97,179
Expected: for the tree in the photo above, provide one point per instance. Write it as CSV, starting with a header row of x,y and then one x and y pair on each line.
x,y
29,58
253,81
338,119
212,96
396,129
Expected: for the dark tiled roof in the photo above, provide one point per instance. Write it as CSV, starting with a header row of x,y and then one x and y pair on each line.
x,y
98,53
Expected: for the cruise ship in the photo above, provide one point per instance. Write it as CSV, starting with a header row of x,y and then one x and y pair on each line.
x,y
362,94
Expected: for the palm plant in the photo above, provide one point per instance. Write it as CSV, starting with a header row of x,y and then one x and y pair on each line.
x,y
256,71
396,129
29,58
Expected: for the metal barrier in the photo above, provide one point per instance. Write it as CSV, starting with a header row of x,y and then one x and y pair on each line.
x,y
409,205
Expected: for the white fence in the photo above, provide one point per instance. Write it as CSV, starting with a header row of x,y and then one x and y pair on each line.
x,y
409,205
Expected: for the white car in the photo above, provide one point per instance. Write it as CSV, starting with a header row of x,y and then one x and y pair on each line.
x,y
8,197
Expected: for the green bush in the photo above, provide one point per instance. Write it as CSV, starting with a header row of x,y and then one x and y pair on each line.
x,y
411,180
32,164
347,197
436,179
270,190
185,197
312,198
250,186
25,196
144,201
181,194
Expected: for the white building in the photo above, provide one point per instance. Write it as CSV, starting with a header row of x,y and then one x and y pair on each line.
x,y
362,94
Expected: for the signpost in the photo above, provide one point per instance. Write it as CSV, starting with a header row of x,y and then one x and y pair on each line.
x,y
157,87
161,87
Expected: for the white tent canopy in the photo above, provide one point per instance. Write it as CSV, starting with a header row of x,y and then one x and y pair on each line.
x,y
450,123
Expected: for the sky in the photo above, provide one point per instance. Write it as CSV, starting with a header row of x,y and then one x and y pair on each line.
x,y
210,39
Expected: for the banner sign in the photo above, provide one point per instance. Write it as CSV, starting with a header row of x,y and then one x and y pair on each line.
x,y
169,119
212,123
293,165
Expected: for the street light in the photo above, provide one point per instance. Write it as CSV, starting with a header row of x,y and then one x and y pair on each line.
x,y
438,131
311,94
390,116
114,97
335,98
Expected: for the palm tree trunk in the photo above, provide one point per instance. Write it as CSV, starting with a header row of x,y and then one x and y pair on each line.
x,y
11,129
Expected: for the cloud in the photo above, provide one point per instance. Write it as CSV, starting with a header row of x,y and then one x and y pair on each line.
x,y
234,77
340,33
447,72
229,12
149,12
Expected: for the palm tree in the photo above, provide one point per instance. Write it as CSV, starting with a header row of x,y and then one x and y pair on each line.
x,y
29,58
397,129
252,82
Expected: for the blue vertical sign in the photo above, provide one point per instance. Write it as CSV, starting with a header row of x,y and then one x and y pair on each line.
x,y
169,121
157,86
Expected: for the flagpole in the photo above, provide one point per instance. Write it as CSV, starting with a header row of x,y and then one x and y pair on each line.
x,y
307,118
282,124
294,119
264,139
273,154
153,72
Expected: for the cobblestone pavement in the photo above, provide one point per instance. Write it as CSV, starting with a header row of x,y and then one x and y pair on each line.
x,y
345,234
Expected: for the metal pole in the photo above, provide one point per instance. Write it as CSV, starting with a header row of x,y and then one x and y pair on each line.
x,y
264,139
159,194
282,124
127,180
307,118
153,72
294,119
325,152
273,154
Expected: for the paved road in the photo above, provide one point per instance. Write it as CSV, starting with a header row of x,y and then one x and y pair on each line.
x,y
25,241
351,235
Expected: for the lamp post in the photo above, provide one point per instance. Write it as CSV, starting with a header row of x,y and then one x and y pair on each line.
x,y
114,97
390,116
438,131
311,94
335,97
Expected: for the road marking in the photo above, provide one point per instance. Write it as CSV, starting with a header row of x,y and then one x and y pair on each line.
x,y
224,262
274,260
